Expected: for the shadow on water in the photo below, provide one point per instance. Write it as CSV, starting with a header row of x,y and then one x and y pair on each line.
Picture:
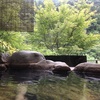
x,y
28,75
89,75
44,85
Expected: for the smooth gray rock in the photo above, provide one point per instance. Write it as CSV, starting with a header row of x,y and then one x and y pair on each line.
x,y
87,67
51,65
61,68
44,65
25,58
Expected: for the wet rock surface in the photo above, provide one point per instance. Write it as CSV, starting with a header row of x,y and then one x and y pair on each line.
x,y
33,60
88,67
26,57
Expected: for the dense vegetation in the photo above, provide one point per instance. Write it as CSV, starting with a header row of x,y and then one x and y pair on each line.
x,y
59,28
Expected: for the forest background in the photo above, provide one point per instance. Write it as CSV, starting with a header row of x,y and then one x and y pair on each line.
x,y
51,27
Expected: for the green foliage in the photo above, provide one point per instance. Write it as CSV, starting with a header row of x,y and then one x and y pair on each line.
x,y
9,14
62,29
13,18
95,52
95,27
11,41
16,15
58,29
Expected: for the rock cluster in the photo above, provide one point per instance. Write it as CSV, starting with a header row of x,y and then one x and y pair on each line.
x,y
35,61
22,60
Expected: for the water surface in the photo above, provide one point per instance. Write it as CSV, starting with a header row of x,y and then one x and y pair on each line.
x,y
43,85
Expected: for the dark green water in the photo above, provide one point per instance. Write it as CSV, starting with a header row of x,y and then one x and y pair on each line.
x,y
46,86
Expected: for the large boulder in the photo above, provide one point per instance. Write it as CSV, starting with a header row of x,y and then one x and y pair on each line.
x,y
57,67
43,65
36,61
61,68
23,59
87,67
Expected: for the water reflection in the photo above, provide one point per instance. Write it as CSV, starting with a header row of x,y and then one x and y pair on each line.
x,y
43,85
